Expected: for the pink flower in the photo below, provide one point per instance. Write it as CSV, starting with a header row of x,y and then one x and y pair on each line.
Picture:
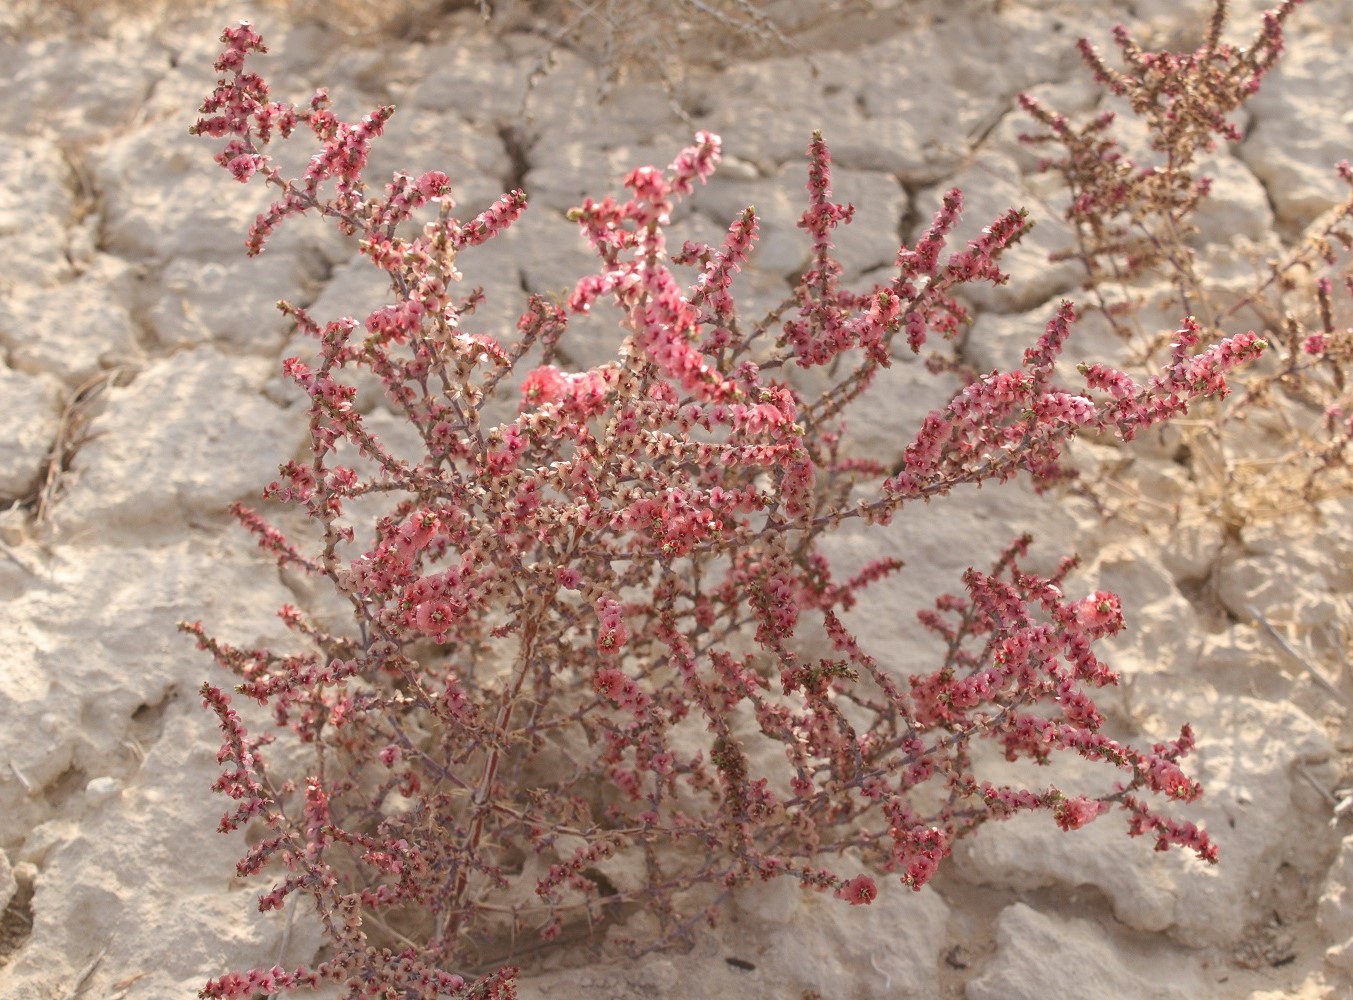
x,y
918,852
1100,614
543,385
433,184
613,633
1074,813
695,162
620,689
859,891
435,618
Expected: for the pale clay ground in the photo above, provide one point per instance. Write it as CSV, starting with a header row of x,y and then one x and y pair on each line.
x,y
121,250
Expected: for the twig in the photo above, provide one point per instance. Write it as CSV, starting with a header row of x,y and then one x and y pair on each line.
x,y
18,560
28,785
69,437
85,974
1295,654
1343,805
1325,793
887,976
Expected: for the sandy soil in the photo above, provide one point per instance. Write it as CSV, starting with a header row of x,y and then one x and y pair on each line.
x,y
141,353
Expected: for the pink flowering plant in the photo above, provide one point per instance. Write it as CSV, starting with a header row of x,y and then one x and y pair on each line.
x,y
598,674
1132,198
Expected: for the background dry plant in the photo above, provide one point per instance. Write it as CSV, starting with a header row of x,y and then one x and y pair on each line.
x,y
72,434
663,40
1135,182
651,37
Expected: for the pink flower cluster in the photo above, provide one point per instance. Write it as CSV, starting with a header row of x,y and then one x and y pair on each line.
x,y
613,634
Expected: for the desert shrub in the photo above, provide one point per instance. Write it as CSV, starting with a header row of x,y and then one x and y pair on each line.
x,y
1280,445
592,671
